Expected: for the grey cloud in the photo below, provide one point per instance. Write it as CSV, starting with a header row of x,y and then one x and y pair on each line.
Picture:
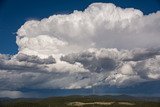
x,y
105,67
35,59
125,67
91,62
14,65
15,74
149,68
13,80
142,54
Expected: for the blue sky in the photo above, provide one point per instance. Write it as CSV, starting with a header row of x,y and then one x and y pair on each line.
x,y
108,48
14,13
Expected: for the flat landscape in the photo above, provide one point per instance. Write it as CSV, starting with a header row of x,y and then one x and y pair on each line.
x,y
83,101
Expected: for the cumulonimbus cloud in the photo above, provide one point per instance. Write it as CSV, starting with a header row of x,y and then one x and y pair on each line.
x,y
99,26
102,45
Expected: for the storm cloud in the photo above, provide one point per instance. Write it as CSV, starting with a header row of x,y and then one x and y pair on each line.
x,y
35,59
103,45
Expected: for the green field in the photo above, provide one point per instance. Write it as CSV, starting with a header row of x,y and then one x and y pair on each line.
x,y
81,101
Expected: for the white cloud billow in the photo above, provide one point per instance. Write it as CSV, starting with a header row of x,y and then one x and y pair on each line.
x,y
102,45
99,26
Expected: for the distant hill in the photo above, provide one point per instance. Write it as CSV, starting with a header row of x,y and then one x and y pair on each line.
x,y
83,101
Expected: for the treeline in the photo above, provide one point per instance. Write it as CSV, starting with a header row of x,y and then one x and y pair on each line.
x,y
63,102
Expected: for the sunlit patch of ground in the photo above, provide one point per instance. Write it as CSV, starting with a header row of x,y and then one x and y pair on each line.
x,y
98,103
126,103
92,103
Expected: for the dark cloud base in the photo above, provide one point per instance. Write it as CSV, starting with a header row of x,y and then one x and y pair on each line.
x,y
104,71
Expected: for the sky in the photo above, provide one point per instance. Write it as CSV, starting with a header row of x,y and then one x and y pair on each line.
x,y
58,47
